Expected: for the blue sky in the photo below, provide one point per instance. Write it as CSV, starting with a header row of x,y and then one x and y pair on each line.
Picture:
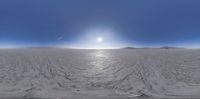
x,y
120,22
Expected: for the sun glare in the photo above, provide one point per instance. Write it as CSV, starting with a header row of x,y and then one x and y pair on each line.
x,y
99,39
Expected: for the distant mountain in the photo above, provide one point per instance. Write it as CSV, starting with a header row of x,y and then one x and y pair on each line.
x,y
129,48
164,47
40,47
169,47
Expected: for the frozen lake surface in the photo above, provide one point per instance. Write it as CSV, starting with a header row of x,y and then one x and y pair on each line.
x,y
82,74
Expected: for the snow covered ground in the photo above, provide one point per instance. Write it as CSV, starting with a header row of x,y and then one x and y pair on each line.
x,y
81,74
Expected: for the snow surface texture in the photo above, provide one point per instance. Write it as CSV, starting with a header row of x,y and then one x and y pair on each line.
x,y
59,73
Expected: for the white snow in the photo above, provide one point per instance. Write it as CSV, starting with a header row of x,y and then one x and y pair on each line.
x,y
60,73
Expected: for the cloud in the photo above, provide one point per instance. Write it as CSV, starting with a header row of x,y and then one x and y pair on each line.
x,y
60,38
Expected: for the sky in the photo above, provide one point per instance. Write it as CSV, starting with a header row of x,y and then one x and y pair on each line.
x,y
79,23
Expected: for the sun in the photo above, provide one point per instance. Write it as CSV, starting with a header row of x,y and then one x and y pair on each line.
x,y
99,39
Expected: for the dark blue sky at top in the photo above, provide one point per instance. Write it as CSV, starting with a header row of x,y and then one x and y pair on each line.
x,y
147,22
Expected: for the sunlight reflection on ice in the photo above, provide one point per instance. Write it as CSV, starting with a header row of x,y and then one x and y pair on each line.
x,y
100,53
100,63
99,60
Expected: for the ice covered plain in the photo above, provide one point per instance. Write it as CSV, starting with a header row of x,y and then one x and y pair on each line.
x,y
60,73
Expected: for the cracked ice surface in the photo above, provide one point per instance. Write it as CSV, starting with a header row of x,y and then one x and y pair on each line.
x,y
57,73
